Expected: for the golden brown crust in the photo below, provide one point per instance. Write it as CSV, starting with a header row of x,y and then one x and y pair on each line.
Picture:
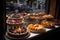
x,y
47,23
47,16
35,28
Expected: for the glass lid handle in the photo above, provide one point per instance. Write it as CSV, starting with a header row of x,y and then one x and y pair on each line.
x,y
16,11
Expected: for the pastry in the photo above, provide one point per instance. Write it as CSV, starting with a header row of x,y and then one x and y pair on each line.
x,y
47,23
17,33
47,16
14,22
41,13
35,28
25,15
14,19
33,16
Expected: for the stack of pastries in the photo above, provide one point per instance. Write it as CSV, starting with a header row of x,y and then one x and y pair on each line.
x,y
41,16
35,28
14,19
18,32
49,16
40,27
47,23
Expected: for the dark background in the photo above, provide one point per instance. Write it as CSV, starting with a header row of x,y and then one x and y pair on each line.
x,y
58,9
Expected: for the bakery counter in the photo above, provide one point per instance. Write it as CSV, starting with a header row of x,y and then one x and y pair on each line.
x,y
33,26
35,35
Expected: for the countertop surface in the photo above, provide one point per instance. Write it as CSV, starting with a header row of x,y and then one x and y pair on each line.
x,y
39,36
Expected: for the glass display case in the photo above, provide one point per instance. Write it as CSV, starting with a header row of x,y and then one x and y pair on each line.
x,y
15,27
27,25
25,22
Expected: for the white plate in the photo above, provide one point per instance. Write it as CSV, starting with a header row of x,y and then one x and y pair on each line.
x,y
36,34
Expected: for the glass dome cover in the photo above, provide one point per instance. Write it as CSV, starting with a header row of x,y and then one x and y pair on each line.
x,y
15,19
15,28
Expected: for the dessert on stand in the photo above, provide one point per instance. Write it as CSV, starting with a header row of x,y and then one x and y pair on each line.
x,y
15,28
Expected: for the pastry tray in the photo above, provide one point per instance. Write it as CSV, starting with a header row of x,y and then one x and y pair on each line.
x,y
35,34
